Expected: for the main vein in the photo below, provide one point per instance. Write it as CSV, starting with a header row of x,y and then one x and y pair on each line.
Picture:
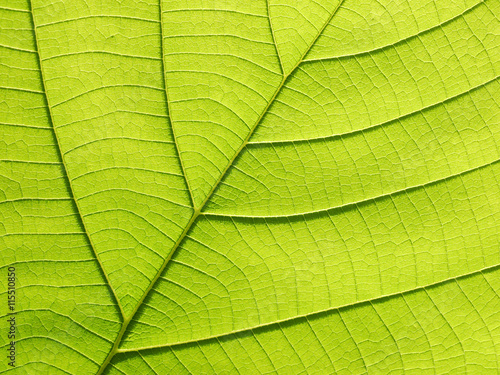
x,y
198,210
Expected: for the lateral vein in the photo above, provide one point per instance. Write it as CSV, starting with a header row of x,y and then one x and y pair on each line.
x,y
59,152
312,314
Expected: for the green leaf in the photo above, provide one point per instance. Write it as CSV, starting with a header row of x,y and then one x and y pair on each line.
x,y
290,186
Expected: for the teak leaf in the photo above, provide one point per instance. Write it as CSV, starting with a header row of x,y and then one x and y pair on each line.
x,y
254,187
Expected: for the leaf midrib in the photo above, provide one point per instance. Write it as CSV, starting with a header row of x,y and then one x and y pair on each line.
x,y
198,210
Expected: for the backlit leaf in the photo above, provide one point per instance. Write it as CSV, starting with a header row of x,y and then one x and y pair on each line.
x,y
280,186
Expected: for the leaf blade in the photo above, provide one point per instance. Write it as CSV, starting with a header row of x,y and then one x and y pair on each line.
x,y
370,337
42,236
130,189
280,247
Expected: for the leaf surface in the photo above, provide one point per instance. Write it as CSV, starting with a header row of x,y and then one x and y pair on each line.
x,y
289,186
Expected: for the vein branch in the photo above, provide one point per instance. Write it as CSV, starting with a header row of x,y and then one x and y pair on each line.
x,y
359,202
327,310
169,112
274,37
61,156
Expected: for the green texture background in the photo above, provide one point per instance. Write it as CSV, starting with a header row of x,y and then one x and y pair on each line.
x,y
223,187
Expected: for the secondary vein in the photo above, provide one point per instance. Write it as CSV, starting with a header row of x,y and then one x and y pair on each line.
x,y
60,154
315,313
169,112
